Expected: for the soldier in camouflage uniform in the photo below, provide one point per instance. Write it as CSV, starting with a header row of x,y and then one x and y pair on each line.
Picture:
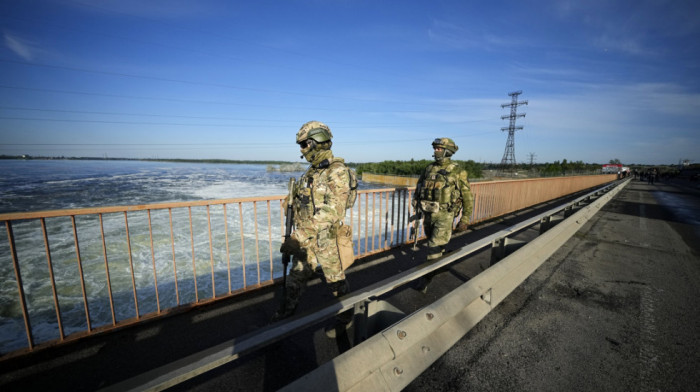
x,y
441,193
319,203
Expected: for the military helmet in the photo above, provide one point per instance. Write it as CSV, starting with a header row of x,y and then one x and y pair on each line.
x,y
446,143
315,130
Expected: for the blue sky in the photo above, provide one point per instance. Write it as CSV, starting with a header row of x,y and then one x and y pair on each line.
x,y
603,79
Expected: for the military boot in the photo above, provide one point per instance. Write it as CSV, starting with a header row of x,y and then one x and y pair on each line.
x,y
343,321
434,253
289,303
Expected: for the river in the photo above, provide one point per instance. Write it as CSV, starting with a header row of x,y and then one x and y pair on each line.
x,y
33,185
37,185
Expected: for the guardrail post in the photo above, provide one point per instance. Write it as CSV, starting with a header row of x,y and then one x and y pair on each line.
x,y
548,222
497,249
502,247
360,320
373,316
545,224
568,211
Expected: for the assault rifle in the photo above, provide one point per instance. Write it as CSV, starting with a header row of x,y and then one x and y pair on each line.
x,y
288,223
416,226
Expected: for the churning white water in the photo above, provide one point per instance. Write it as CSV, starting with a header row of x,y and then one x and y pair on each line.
x,y
35,185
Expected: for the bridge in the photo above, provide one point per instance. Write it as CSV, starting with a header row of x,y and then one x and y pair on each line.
x,y
227,342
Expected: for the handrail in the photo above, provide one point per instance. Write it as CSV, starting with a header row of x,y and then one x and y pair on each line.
x,y
138,268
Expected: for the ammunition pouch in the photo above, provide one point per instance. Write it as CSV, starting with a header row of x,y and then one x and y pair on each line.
x,y
343,239
304,196
429,206
303,202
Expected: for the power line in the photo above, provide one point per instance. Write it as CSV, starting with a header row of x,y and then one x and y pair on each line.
x,y
130,114
182,100
228,38
199,124
191,82
257,121
278,65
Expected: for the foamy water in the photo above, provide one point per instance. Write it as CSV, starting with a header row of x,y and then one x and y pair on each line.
x,y
46,185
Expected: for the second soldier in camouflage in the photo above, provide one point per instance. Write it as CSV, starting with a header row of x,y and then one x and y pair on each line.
x,y
442,192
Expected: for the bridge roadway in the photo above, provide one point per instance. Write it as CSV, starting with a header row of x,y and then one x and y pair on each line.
x,y
614,309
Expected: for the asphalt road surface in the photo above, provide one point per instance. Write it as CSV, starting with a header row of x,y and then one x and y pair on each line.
x,y
615,309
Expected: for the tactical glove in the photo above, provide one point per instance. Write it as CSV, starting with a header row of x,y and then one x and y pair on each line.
x,y
461,226
292,247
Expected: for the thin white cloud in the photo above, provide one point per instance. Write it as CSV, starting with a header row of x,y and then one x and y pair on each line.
x,y
627,45
161,9
453,36
21,47
629,27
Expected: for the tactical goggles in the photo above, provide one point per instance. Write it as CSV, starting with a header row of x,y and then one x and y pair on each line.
x,y
306,143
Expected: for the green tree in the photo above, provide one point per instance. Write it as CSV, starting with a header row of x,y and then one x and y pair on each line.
x,y
413,167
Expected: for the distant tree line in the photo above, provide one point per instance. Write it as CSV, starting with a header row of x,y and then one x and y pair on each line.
x,y
476,170
557,168
412,167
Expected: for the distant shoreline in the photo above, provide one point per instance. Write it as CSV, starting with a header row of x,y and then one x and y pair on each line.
x,y
27,158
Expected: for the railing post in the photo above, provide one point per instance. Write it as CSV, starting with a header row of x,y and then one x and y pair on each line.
x,y
82,276
153,258
20,286
131,264
109,280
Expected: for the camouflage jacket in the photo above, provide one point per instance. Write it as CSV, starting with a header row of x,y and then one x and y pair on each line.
x,y
320,196
447,184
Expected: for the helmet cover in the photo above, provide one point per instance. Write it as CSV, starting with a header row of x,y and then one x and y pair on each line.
x,y
315,130
446,143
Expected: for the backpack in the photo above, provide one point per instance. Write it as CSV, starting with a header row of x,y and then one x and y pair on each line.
x,y
352,195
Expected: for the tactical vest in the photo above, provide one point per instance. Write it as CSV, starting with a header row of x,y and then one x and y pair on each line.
x,y
312,191
439,186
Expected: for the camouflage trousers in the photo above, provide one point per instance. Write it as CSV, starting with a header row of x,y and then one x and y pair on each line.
x,y
438,229
323,254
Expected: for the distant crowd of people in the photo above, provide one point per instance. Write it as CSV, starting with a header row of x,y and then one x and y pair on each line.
x,y
652,175
649,175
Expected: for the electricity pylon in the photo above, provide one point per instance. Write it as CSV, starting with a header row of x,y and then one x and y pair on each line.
x,y
508,161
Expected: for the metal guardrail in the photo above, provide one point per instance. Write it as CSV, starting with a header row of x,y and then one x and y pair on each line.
x,y
107,267
390,359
